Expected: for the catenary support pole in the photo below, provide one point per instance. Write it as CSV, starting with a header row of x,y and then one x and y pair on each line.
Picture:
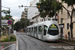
x,y
0,18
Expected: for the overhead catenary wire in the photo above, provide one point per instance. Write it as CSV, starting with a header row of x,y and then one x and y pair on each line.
x,y
27,2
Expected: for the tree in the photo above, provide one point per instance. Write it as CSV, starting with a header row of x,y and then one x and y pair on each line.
x,y
23,23
7,16
6,12
2,18
48,7
17,25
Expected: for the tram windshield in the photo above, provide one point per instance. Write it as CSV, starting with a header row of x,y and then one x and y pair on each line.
x,y
53,30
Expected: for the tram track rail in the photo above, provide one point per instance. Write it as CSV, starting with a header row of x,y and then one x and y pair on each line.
x,y
40,46
33,42
24,43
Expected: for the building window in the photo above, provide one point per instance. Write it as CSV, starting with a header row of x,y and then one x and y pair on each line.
x,y
61,20
61,11
67,25
74,13
72,25
67,15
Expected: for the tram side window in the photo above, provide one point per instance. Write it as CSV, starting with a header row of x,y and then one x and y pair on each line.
x,y
32,29
29,30
45,29
35,29
40,29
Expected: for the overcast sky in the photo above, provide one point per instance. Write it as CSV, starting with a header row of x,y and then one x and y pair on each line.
x,y
15,10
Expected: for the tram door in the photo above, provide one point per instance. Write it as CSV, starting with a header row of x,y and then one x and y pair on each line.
x,y
33,32
40,28
44,31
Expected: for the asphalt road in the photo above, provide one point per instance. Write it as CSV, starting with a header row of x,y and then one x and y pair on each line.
x,y
26,42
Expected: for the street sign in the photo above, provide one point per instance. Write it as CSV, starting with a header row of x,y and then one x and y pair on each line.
x,y
9,22
61,25
4,22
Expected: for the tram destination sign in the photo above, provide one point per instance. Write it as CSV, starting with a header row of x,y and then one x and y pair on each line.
x,y
53,25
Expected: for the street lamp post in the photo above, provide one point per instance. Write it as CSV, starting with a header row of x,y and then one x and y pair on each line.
x,y
0,18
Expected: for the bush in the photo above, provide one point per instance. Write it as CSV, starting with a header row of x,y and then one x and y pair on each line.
x,y
1,40
6,39
2,34
12,38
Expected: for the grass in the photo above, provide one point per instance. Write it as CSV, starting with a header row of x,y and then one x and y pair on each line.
x,y
2,38
6,38
70,41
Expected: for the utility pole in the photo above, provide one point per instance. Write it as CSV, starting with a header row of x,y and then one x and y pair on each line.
x,y
9,19
0,18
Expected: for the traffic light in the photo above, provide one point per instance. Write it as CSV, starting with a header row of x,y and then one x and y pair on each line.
x,y
21,5
39,6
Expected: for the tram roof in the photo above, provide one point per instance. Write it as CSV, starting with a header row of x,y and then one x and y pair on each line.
x,y
42,23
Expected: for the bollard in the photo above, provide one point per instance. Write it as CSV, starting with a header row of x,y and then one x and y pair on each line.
x,y
65,36
14,32
2,48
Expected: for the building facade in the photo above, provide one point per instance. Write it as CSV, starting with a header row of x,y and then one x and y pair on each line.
x,y
25,13
64,22
32,10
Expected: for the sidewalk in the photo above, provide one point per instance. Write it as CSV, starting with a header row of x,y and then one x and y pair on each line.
x,y
8,46
67,41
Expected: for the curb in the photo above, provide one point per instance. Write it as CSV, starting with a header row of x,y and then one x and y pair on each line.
x,y
16,41
67,42
17,45
7,42
2,48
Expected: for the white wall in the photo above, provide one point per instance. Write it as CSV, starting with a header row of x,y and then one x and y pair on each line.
x,y
32,10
